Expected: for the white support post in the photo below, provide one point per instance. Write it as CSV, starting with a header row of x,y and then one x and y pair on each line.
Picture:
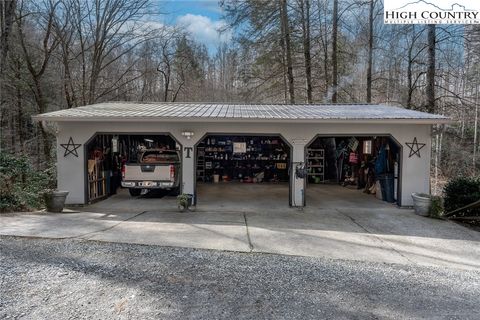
x,y
297,183
188,168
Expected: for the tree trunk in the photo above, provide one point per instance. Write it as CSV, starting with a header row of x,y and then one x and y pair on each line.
x,y
7,12
167,86
47,143
409,77
435,184
20,116
430,90
334,52
42,108
284,64
284,71
93,85
305,10
324,41
12,132
19,100
288,48
68,86
475,133
370,52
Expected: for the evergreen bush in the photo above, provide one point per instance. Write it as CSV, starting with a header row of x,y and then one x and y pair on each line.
x,y
460,192
436,207
22,186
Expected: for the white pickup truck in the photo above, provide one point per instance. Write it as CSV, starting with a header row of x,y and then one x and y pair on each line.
x,y
155,169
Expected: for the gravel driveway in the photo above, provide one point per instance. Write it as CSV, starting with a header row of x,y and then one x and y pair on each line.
x,y
71,279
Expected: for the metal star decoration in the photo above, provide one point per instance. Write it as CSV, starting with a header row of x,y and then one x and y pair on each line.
x,y
70,148
415,147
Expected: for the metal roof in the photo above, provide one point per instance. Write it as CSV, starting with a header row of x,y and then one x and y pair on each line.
x,y
129,111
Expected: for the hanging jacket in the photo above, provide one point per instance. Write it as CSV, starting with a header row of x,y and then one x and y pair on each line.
x,y
381,161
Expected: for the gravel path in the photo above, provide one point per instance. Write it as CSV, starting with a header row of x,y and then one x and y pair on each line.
x,y
69,279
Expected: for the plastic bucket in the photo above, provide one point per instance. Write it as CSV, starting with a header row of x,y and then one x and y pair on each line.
x,y
421,203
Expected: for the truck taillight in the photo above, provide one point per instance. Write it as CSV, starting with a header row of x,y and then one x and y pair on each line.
x,y
172,172
123,172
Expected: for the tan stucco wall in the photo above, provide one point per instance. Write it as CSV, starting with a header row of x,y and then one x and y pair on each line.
x,y
414,171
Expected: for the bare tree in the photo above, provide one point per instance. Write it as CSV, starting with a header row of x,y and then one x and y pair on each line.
x,y
64,29
7,13
370,49
37,59
412,56
305,18
334,52
288,48
105,32
430,89
165,66
323,40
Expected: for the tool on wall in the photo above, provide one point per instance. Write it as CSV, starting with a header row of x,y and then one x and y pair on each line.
x,y
300,170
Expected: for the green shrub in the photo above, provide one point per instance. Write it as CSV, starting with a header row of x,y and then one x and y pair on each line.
x,y
22,186
436,207
183,201
460,192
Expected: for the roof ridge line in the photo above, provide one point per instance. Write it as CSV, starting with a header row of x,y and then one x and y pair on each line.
x,y
243,103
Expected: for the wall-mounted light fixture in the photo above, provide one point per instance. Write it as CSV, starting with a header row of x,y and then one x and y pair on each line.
x,y
367,147
188,134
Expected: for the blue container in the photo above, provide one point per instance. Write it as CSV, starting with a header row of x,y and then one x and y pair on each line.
x,y
387,182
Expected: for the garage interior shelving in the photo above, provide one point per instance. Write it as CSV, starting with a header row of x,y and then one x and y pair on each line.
x,y
316,164
242,158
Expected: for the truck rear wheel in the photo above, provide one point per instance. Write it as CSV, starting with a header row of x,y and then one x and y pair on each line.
x,y
134,192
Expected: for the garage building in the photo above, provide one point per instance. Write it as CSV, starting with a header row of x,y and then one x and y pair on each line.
x,y
292,148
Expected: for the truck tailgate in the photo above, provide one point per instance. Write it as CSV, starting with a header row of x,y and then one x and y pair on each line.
x,y
147,172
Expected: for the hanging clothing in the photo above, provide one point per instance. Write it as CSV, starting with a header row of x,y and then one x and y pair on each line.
x,y
381,161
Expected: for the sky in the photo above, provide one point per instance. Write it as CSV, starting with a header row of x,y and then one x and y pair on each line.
x,y
201,19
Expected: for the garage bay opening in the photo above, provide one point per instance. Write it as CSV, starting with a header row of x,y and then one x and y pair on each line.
x,y
369,165
243,170
137,162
